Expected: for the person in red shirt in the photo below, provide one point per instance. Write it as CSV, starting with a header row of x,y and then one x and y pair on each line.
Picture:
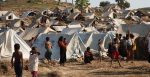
x,y
62,47
88,56
114,52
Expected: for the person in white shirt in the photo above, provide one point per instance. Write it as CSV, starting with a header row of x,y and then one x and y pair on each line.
x,y
33,62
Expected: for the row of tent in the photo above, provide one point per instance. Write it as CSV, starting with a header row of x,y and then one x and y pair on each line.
x,y
77,40
28,33
77,43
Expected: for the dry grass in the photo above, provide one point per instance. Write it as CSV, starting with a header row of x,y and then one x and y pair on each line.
x,y
23,5
95,69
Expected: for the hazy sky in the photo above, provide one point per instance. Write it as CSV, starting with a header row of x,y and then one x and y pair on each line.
x,y
134,3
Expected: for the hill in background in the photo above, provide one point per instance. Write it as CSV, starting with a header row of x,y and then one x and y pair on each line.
x,y
15,5
147,9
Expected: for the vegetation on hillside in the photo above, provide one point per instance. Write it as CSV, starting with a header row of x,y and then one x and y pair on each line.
x,y
104,3
81,4
123,4
145,9
30,4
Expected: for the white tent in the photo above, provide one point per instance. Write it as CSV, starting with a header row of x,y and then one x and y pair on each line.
x,y
59,28
90,29
28,13
89,15
38,22
75,47
47,11
74,24
146,22
7,41
79,30
18,23
70,30
118,22
91,40
84,37
18,30
137,29
33,32
9,16
2,13
136,18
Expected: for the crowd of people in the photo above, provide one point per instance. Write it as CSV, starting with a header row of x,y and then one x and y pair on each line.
x,y
121,47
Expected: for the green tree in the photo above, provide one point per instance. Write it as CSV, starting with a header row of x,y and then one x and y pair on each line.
x,y
123,4
59,2
104,3
1,2
81,4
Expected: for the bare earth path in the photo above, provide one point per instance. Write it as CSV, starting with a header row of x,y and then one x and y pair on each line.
x,y
96,69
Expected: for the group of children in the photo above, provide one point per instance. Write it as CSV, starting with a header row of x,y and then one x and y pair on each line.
x,y
17,61
122,47
17,57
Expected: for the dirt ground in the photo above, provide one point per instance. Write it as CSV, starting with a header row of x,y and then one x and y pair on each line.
x,y
95,69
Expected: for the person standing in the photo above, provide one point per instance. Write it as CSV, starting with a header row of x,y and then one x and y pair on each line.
x,y
123,48
62,47
133,49
33,62
100,48
17,61
48,47
129,47
115,52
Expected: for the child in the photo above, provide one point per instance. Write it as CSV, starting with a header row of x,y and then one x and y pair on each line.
x,y
115,52
88,56
48,47
33,62
17,61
